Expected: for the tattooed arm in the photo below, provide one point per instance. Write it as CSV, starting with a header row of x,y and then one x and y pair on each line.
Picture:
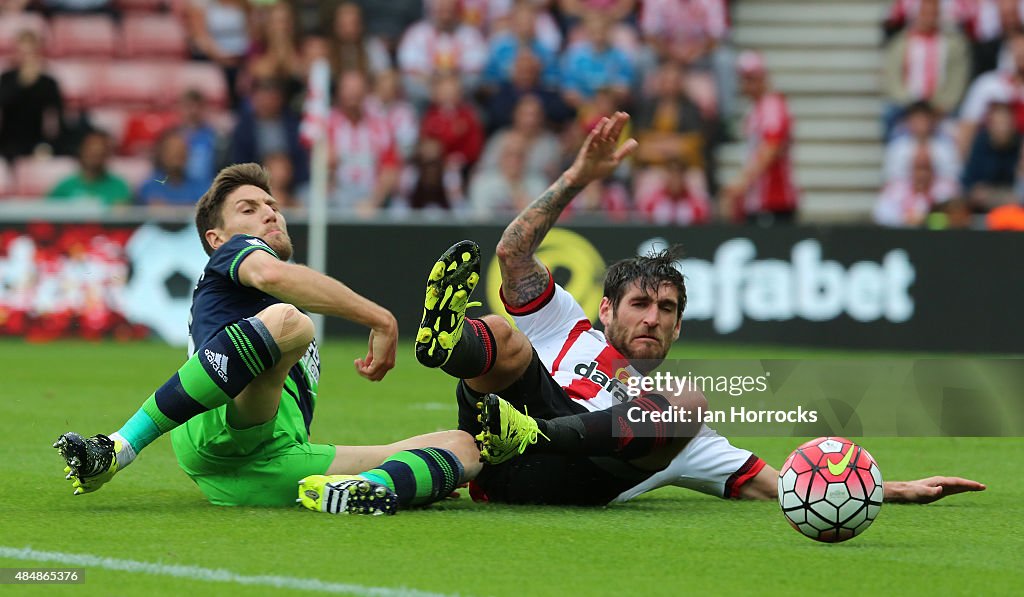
x,y
523,276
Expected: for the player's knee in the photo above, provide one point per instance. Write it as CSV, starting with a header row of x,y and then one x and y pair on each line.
x,y
689,400
291,328
511,344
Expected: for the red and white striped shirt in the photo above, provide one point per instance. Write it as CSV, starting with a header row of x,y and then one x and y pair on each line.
x,y
691,207
684,20
361,149
579,357
924,64
769,122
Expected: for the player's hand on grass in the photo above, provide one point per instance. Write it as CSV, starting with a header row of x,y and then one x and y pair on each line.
x,y
601,154
926,491
380,354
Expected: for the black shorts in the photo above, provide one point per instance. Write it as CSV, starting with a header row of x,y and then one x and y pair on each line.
x,y
543,478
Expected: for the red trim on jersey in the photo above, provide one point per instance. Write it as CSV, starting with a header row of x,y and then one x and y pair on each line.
x,y
584,388
580,327
477,493
536,304
748,471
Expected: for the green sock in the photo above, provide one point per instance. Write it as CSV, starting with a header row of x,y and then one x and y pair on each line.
x,y
419,477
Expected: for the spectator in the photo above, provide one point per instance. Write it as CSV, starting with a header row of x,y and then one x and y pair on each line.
x,y
921,128
543,151
285,189
924,63
387,101
219,30
351,47
574,11
363,153
31,108
595,64
952,14
907,202
276,53
452,120
993,87
390,20
265,126
677,197
668,123
993,23
765,191
93,182
521,34
991,168
169,184
203,141
496,17
428,182
438,45
525,81
510,187
692,33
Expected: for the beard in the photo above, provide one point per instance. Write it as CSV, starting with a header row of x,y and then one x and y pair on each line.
x,y
619,338
282,245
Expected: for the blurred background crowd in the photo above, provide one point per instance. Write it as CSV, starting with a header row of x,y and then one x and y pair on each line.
x,y
471,108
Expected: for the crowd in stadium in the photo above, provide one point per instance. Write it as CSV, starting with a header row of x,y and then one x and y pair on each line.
x,y
474,106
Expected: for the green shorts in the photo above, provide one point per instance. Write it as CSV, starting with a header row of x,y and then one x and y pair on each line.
x,y
258,466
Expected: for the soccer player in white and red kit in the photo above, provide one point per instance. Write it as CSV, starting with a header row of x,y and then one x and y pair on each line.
x,y
765,191
572,378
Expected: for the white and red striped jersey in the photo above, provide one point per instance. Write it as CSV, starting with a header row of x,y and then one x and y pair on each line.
x,y
405,124
951,12
900,204
359,150
769,122
989,88
924,64
684,20
985,22
688,208
424,50
579,357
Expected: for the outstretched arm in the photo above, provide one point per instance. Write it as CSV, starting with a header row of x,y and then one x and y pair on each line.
x,y
764,486
523,276
310,290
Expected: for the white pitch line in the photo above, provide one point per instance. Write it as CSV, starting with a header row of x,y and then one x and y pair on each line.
x,y
205,574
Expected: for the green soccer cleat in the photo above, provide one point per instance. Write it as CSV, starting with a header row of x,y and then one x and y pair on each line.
x,y
91,462
346,494
451,281
507,432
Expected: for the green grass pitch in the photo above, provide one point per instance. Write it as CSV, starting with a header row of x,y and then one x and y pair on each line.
x,y
669,542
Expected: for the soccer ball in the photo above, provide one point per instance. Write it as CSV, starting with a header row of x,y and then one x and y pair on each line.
x,y
830,489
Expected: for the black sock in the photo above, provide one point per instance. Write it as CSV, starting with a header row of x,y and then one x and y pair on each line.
x,y
473,355
611,432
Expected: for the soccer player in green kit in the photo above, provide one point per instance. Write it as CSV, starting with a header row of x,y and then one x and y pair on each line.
x,y
239,410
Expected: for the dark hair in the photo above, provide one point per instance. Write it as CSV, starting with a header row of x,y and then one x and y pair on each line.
x,y
922,106
649,272
208,209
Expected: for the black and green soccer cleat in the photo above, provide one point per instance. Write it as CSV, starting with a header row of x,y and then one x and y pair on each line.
x,y
506,431
346,494
91,462
451,281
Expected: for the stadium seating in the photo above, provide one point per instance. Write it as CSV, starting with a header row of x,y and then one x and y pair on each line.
x,y
78,81
112,120
34,177
12,24
82,36
6,180
206,77
143,128
137,83
152,36
135,170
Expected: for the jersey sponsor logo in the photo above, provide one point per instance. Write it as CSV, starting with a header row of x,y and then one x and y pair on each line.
x,y
310,363
219,363
613,386
256,242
